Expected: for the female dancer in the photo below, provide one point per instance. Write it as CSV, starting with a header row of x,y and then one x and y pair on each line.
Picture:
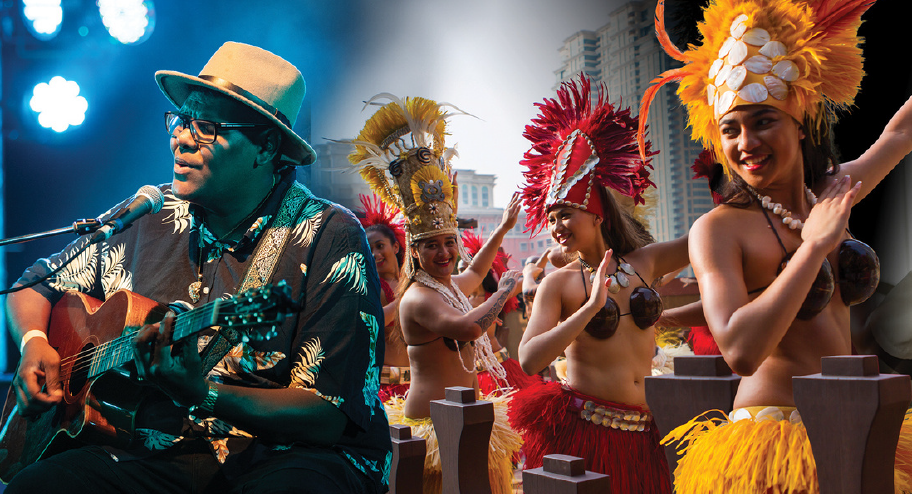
x,y
776,265
383,226
598,309
402,155
515,377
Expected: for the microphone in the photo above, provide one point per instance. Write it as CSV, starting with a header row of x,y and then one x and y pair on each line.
x,y
148,199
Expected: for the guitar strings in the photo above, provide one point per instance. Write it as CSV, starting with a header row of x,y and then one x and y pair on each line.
x,y
120,349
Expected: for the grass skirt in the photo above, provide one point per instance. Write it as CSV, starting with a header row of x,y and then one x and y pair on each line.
x,y
516,379
544,414
504,444
748,455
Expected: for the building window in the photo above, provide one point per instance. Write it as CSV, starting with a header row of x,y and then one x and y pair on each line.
x,y
523,247
465,195
484,196
474,195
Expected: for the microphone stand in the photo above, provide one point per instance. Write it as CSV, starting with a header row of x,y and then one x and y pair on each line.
x,y
79,227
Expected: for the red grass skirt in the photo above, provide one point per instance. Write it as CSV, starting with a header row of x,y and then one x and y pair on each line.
x,y
516,379
543,414
387,391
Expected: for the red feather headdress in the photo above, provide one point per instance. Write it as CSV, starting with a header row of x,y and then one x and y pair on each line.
x,y
377,212
472,244
706,166
577,146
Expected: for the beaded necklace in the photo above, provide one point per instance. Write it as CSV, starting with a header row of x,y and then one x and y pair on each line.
x,y
776,208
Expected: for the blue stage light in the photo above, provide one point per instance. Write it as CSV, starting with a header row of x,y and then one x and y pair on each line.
x,y
43,17
58,104
127,21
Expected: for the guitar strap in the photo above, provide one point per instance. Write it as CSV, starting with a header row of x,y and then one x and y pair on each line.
x,y
260,270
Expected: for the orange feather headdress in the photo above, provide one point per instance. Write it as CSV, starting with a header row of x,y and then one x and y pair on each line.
x,y
801,56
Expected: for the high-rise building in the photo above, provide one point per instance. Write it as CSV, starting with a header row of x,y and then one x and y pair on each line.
x,y
625,55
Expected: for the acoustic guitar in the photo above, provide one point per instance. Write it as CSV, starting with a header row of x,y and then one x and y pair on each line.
x,y
94,340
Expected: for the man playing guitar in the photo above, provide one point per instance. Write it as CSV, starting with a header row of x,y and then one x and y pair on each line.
x,y
297,411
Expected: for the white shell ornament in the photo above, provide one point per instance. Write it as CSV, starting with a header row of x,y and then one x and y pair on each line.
x,y
726,46
759,64
777,87
754,93
786,70
739,414
770,413
737,54
738,26
711,94
716,66
756,37
723,74
725,102
736,78
774,49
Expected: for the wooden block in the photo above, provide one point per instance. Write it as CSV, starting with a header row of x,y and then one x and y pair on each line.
x,y
702,365
699,384
850,365
563,474
463,433
407,468
853,420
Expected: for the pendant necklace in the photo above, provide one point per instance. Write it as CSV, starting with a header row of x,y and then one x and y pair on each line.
x,y
620,278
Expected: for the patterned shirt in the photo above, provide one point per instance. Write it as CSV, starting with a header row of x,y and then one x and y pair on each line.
x,y
333,347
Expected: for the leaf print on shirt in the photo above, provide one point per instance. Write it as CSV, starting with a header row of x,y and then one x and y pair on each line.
x,y
304,374
371,387
156,440
179,212
77,275
352,270
241,362
309,222
113,274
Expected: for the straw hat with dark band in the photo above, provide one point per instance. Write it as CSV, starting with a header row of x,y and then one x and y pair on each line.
x,y
255,77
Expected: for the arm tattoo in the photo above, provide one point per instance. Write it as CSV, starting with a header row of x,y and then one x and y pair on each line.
x,y
487,319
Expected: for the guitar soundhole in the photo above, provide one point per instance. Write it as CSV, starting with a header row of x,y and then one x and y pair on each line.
x,y
81,365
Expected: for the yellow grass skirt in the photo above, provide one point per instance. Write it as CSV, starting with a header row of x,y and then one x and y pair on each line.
x,y
766,455
504,445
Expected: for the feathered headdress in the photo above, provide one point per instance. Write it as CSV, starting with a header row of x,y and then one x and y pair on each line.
x,y
377,212
473,243
402,156
577,146
801,56
706,166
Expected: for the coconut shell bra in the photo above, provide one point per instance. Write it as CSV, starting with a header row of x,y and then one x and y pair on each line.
x,y
859,272
645,308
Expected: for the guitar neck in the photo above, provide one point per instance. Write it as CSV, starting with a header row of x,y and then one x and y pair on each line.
x,y
119,351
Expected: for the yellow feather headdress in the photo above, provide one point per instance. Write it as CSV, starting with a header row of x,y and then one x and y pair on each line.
x,y
801,56
402,155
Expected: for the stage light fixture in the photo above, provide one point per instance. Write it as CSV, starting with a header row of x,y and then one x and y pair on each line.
x,y
43,17
127,21
58,104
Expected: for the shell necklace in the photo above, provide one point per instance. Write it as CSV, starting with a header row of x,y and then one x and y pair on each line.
x,y
787,218
457,300
620,278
